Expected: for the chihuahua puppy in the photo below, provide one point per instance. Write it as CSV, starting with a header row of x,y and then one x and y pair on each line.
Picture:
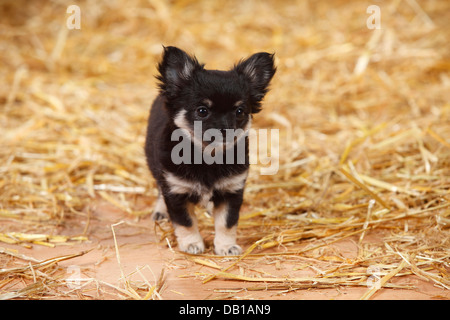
x,y
203,108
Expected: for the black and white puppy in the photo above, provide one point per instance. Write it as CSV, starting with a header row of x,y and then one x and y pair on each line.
x,y
193,102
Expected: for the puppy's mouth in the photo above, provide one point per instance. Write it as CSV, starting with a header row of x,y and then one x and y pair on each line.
x,y
222,138
213,137
218,146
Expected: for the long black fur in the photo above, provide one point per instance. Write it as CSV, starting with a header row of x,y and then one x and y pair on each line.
x,y
184,84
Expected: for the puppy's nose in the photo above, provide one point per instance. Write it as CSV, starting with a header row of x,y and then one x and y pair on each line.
x,y
224,133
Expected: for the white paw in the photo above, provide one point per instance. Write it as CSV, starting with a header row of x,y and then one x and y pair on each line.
x,y
228,250
189,239
193,248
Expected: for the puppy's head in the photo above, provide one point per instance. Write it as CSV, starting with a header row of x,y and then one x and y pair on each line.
x,y
219,100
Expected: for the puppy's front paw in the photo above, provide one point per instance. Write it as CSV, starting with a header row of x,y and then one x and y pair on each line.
x,y
189,239
196,248
193,248
228,250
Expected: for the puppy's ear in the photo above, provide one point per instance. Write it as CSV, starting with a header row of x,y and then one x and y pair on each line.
x,y
258,71
175,69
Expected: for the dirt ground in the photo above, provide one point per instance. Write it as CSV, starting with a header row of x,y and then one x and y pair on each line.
x,y
98,273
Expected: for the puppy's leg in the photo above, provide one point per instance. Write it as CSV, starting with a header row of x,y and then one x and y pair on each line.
x,y
182,215
160,209
226,215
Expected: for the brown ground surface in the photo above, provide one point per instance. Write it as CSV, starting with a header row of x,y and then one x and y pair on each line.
x,y
140,248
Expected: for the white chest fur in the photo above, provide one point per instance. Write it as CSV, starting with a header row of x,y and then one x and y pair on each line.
x,y
228,184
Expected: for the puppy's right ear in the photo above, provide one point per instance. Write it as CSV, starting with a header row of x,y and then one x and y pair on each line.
x,y
176,68
258,70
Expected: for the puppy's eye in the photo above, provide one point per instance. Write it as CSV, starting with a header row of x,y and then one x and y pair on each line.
x,y
239,111
202,112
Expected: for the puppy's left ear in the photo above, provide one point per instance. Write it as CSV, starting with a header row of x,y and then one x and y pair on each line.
x,y
258,71
176,69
